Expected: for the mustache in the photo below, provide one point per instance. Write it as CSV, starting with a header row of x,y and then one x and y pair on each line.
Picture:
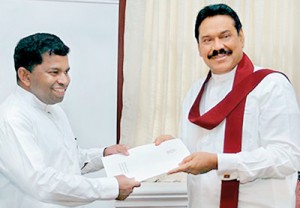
x,y
217,52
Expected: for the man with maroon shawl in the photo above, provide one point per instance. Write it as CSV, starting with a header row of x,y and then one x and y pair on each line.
x,y
241,124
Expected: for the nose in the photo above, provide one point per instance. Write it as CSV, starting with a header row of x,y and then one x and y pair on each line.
x,y
218,44
63,79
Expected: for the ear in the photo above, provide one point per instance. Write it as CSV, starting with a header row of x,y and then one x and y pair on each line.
x,y
23,75
242,37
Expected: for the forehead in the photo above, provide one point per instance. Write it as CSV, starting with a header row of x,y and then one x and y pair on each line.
x,y
216,24
54,62
53,58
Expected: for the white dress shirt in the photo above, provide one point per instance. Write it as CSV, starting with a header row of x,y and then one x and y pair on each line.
x,y
268,163
40,162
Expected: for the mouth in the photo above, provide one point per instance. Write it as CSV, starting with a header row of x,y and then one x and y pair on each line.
x,y
220,56
60,91
216,54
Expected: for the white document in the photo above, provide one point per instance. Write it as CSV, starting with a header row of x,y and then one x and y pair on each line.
x,y
146,161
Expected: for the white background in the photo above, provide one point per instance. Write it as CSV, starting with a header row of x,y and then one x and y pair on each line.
x,y
90,29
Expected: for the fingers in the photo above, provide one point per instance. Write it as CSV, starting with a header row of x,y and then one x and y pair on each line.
x,y
126,186
181,168
123,194
173,171
137,184
184,166
116,149
122,197
162,138
123,149
198,163
186,160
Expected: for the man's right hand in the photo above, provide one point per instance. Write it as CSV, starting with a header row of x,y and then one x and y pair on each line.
x,y
126,186
162,138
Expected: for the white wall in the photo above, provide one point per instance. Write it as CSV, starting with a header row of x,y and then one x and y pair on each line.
x,y
90,29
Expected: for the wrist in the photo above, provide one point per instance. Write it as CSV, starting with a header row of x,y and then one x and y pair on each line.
x,y
214,161
104,151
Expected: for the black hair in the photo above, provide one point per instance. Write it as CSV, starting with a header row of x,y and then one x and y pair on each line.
x,y
213,10
29,50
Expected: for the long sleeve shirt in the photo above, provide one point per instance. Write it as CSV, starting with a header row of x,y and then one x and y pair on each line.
x,y
268,163
40,161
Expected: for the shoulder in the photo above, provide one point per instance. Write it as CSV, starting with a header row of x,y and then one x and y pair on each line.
x,y
275,88
276,78
14,113
193,92
194,89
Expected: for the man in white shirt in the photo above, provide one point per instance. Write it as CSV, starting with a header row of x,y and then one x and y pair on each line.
x,y
41,165
241,124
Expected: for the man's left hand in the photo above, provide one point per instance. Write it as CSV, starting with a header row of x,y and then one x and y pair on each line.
x,y
116,149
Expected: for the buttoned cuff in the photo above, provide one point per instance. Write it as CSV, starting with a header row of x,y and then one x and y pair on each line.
x,y
94,162
227,166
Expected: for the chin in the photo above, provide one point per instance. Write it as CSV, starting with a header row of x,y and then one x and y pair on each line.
x,y
57,101
221,70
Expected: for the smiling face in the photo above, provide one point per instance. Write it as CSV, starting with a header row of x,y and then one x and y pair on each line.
x,y
49,80
216,33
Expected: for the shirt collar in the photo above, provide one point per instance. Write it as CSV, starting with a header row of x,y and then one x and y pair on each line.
x,y
225,76
32,100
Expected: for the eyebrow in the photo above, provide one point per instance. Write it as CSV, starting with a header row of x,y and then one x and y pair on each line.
x,y
60,69
221,33
226,31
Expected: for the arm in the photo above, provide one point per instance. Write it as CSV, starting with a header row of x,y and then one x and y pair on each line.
x,y
277,123
91,158
22,163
